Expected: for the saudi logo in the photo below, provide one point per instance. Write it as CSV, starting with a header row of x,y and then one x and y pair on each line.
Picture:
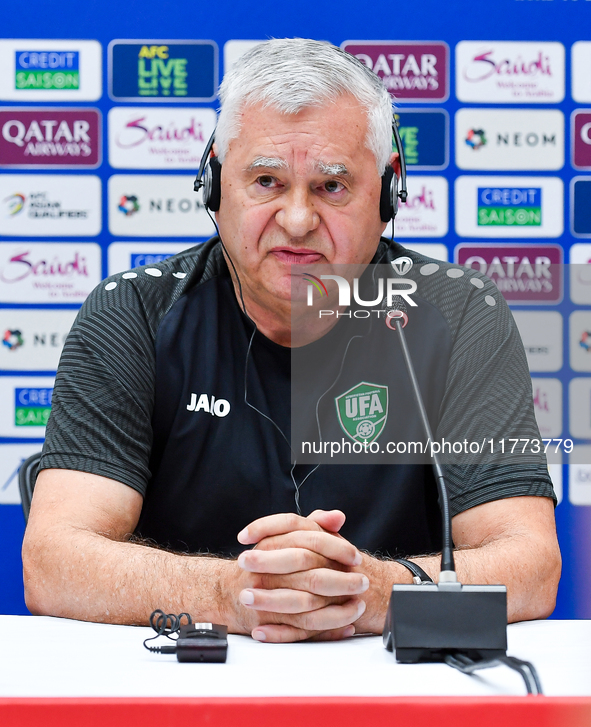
x,y
476,138
363,411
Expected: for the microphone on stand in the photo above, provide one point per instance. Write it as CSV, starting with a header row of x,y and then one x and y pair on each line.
x,y
428,621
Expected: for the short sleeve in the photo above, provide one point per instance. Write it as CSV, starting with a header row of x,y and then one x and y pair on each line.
x,y
104,390
488,405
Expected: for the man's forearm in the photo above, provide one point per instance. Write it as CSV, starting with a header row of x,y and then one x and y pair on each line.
x,y
531,578
86,576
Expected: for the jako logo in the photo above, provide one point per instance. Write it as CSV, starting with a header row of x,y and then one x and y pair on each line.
x,y
211,405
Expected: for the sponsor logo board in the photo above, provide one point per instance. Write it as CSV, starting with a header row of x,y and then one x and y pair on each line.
x,y
528,274
50,205
158,138
580,273
424,135
163,70
509,206
541,333
580,206
547,395
436,250
580,65
501,139
50,137
12,457
154,206
26,405
32,340
123,256
509,72
48,272
425,212
411,71
580,340
579,475
581,138
235,49
50,70
579,396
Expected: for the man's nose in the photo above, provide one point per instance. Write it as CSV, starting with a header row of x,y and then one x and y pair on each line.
x,y
297,215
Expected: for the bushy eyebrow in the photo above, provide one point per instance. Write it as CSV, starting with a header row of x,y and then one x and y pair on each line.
x,y
267,163
332,170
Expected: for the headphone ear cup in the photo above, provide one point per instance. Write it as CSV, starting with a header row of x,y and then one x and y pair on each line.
x,y
387,196
212,187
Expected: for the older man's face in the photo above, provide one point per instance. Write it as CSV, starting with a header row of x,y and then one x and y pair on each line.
x,y
299,189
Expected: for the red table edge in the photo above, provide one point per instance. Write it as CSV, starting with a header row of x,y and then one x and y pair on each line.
x,y
293,711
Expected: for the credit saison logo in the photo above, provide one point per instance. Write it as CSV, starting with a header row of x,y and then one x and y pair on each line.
x,y
510,206
163,70
32,406
47,70
49,137
209,405
39,205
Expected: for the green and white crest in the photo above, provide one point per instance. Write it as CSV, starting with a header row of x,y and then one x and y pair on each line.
x,y
363,411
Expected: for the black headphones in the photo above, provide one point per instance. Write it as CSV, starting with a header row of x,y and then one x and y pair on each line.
x,y
210,173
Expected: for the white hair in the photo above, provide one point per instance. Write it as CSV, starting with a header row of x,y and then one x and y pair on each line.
x,y
291,74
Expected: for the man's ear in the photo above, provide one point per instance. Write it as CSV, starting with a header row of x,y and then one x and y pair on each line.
x,y
394,162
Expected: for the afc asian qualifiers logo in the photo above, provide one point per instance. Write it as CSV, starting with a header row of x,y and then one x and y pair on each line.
x,y
163,70
410,71
363,411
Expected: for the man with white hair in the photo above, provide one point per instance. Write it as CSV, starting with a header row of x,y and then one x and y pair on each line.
x,y
167,450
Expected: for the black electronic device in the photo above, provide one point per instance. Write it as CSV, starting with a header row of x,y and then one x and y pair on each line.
x,y
209,179
195,642
432,622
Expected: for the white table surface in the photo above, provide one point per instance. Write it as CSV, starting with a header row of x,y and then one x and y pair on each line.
x,y
51,657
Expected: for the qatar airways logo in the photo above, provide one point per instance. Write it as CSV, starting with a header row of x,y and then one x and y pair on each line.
x,y
510,72
158,138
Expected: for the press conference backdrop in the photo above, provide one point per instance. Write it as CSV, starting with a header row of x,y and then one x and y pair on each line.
x,y
104,113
